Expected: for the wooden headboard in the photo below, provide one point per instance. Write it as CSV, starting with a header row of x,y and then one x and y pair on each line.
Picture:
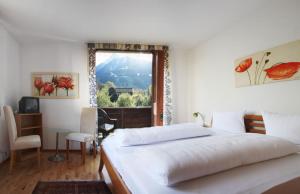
x,y
254,124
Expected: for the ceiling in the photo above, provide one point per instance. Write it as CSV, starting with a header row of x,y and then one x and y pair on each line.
x,y
184,23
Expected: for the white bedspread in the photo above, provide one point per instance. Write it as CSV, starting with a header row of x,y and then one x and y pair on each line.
x,y
169,164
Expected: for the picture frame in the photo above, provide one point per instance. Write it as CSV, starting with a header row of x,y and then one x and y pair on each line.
x,y
55,85
277,64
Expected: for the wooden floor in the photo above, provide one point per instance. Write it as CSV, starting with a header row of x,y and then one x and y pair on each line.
x,y
26,174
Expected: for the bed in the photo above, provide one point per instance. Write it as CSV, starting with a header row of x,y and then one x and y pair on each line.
x,y
271,177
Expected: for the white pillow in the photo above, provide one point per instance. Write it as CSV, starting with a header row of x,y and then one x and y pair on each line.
x,y
283,125
149,135
229,121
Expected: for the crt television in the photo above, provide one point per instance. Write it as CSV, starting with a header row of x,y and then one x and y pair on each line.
x,y
29,105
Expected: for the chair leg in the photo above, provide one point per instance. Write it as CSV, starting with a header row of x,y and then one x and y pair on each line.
x,y
39,157
83,148
67,146
18,156
12,159
94,149
84,152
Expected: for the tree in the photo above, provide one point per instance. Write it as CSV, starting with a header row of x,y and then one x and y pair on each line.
x,y
149,90
125,100
147,101
141,99
138,99
113,94
103,98
107,97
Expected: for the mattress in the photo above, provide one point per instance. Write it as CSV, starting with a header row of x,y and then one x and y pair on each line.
x,y
251,179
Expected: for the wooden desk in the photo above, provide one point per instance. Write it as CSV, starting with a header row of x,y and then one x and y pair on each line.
x,y
30,124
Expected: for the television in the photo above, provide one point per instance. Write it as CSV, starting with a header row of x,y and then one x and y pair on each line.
x,y
29,104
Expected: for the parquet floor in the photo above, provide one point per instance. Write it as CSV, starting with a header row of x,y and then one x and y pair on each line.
x,y
26,174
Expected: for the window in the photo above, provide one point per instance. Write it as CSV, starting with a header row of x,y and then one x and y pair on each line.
x,y
124,79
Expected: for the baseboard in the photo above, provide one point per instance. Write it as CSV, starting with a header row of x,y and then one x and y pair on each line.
x,y
4,155
3,161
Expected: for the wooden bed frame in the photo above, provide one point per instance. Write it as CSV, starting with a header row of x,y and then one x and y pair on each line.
x,y
253,124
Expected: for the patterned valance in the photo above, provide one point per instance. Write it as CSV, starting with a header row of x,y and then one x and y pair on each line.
x,y
127,47
93,47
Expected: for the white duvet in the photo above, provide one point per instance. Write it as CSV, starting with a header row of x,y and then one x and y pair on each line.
x,y
150,135
169,164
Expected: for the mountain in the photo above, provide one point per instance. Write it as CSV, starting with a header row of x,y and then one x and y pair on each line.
x,y
125,71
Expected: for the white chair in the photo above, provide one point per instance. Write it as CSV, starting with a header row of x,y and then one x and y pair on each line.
x,y
19,143
88,127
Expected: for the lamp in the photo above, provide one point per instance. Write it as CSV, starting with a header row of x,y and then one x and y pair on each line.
x,y
197,116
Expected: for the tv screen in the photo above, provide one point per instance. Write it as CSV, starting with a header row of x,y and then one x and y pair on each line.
x,y
29,105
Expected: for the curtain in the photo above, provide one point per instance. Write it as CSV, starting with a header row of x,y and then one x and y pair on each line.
x,y
93,47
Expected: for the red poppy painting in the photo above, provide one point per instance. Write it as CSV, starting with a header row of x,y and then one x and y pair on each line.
x,y
55,85
244,65
38,84
281,63
282,70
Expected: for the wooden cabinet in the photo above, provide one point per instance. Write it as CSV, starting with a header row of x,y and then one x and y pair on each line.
x,y
30,124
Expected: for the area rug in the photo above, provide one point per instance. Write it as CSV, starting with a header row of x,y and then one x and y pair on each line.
x,y
71,187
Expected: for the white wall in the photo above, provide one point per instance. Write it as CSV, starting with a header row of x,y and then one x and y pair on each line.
x,y
9,83
212,63
58,114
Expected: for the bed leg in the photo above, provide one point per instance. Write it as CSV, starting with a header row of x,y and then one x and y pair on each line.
x,y
101,165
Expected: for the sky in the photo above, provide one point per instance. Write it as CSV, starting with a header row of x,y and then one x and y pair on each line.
x,y
102,56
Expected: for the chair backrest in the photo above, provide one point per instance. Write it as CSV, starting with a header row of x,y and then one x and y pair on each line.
x,y
11,125
88,120
103,117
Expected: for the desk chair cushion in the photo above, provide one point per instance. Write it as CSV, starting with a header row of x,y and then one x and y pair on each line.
x,y
26,142
107,127
81,137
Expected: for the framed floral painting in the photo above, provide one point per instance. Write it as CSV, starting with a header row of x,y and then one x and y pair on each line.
x,y
277,64
55,85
